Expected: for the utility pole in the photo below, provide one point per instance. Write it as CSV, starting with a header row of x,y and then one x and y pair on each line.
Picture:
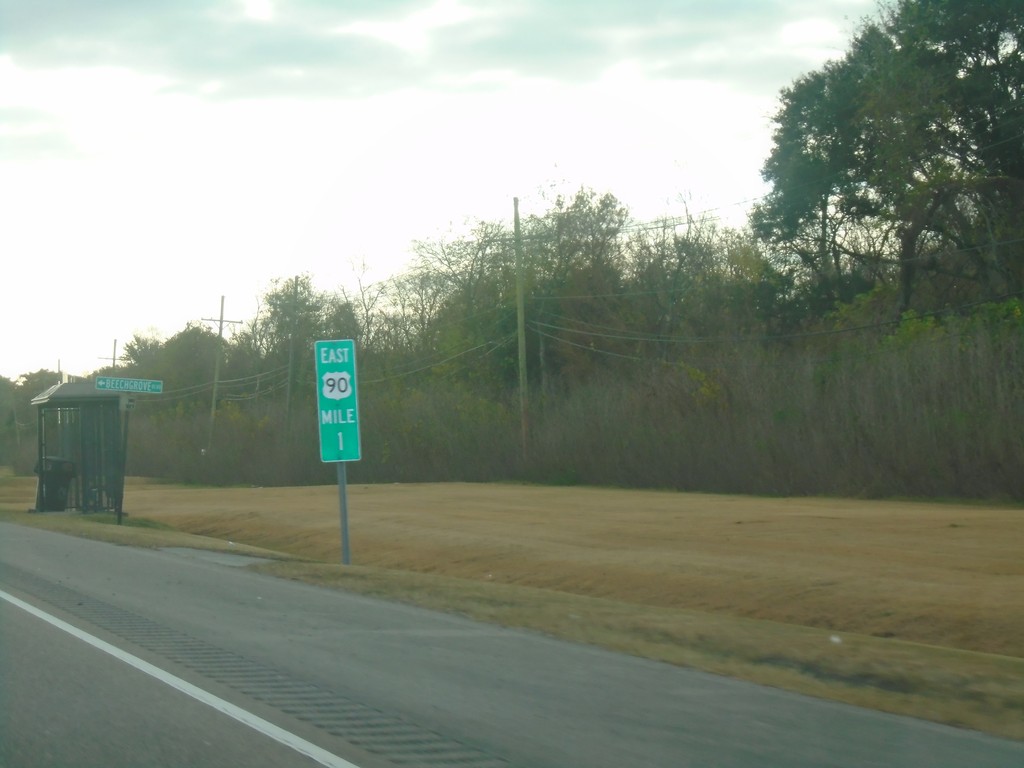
x,y
17,426
521,322
112,358
291,359
216,370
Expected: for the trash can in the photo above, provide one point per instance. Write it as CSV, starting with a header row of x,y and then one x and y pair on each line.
x,y
54,483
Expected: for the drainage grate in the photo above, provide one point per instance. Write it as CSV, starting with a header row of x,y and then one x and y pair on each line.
x,y
399,741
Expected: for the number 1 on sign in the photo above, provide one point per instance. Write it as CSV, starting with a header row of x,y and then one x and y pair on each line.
x,y
341,442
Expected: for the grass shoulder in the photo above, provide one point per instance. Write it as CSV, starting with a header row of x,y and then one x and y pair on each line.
x,y
877,604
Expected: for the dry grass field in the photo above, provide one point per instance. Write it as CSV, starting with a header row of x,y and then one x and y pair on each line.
x,y
903,606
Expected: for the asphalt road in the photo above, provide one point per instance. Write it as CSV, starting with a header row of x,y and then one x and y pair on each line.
x,y
378,683
65,703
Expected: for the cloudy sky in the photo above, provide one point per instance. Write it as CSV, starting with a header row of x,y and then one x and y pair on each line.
x,y
158,154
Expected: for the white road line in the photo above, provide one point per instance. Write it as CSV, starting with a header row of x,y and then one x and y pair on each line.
x,y
245,717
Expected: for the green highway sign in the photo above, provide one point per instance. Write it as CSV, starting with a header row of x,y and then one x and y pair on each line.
x,y
141,386
337,400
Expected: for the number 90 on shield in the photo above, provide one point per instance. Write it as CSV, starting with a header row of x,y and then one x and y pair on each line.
x,y
337,385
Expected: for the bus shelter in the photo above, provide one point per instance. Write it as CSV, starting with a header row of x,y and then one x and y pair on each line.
x,y
83,439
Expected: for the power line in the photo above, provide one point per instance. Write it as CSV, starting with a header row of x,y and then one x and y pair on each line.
x,y
185,393
627,335
592,348
439,362
879,351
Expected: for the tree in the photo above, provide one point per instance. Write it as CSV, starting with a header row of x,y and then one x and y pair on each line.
x,y
466,287
10,435
142,352
186,359
575,276
965,149
18,417
291,316
903,159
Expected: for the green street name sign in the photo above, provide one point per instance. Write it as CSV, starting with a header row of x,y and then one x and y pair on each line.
x,y
145,386
337,400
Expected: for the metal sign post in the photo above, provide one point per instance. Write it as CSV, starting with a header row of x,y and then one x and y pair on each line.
x,y
338,417
346,552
